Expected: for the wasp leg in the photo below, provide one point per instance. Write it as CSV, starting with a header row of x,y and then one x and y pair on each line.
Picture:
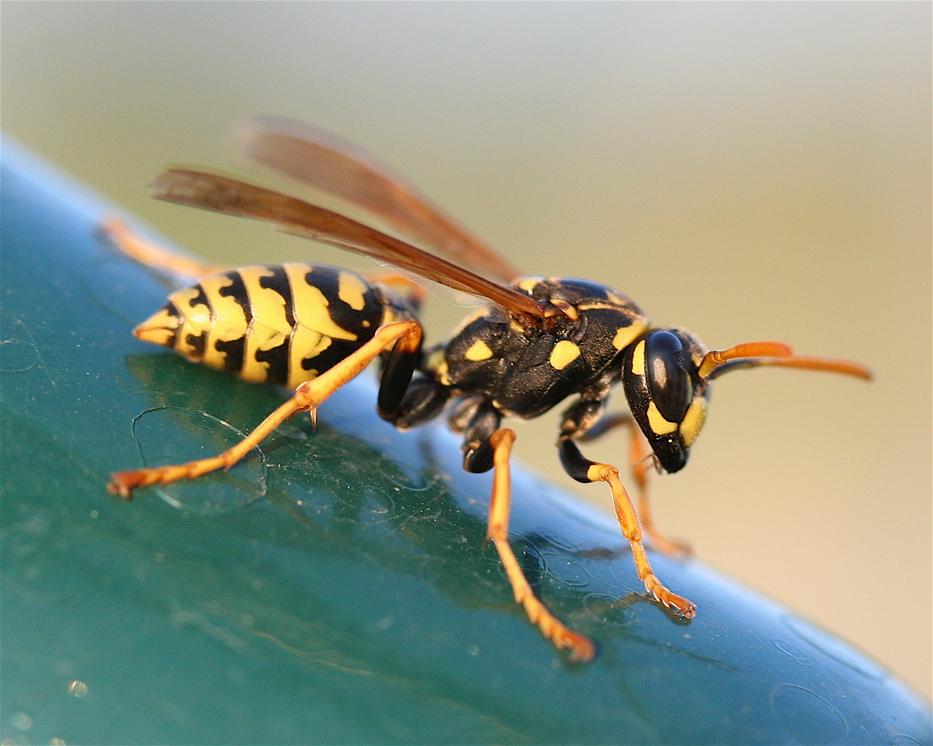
x,y
151,254
581,648
404,335
584,470
639,453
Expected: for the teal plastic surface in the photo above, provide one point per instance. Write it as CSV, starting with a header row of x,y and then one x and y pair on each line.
x,y
334,588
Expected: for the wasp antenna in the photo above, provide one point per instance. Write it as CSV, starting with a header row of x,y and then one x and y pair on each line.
x,y
843,367
716,358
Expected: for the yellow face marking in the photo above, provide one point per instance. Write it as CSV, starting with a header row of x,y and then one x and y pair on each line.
x,y
350,290
626,335
564,353
659,426
158,328
693,421
478,351
309,305
638,359
528,284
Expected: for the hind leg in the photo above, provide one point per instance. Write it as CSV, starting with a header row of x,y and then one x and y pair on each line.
x,y
405,335
153,255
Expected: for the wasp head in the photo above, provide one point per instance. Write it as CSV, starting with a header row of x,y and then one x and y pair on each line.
x,y
667,395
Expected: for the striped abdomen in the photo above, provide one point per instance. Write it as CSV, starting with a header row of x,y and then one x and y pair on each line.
x,y
282,324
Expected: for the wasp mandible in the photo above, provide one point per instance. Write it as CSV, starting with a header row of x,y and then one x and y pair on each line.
x,y
537,343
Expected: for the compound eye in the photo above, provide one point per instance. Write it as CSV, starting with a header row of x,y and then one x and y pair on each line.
x,y
668,364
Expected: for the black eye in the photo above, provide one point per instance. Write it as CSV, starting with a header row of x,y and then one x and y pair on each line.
x,y
667,365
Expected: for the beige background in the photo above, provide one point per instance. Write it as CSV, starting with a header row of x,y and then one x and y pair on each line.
x,y
745,170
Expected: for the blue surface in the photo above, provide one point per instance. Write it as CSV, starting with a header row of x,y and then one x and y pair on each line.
x,y
335,588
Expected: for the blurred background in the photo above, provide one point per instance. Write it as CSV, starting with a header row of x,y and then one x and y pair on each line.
x,y
748,171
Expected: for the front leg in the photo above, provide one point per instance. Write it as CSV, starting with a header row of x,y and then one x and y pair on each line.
x,y
577,420
640,458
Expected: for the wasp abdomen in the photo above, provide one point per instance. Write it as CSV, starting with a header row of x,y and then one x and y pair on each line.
x,y
280,323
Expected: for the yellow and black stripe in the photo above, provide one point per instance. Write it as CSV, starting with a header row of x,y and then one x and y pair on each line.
x,y
280,323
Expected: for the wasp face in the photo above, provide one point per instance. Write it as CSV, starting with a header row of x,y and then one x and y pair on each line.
x,y
660,375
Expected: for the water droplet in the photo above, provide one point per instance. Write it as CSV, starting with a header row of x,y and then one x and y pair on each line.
x,y
789,651
902,739
608,610
77,688
833,647
17,355
21,721
383,624
569,570
805,714
171,435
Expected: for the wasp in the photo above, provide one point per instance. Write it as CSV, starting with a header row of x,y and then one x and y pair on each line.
x,y
536,343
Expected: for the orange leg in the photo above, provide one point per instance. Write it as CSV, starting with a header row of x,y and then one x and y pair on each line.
x,y
581,648
151,254
631,529
307,397
639,454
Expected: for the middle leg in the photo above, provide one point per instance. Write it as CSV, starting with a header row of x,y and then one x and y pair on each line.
x,y
581,648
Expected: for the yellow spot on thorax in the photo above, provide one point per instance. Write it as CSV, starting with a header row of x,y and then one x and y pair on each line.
x,y
351,290
443,374
564,353
478,351
659,425
435,359
528,284
628,334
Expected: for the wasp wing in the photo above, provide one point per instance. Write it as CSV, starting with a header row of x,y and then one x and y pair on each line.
x,y
319,158
234,197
